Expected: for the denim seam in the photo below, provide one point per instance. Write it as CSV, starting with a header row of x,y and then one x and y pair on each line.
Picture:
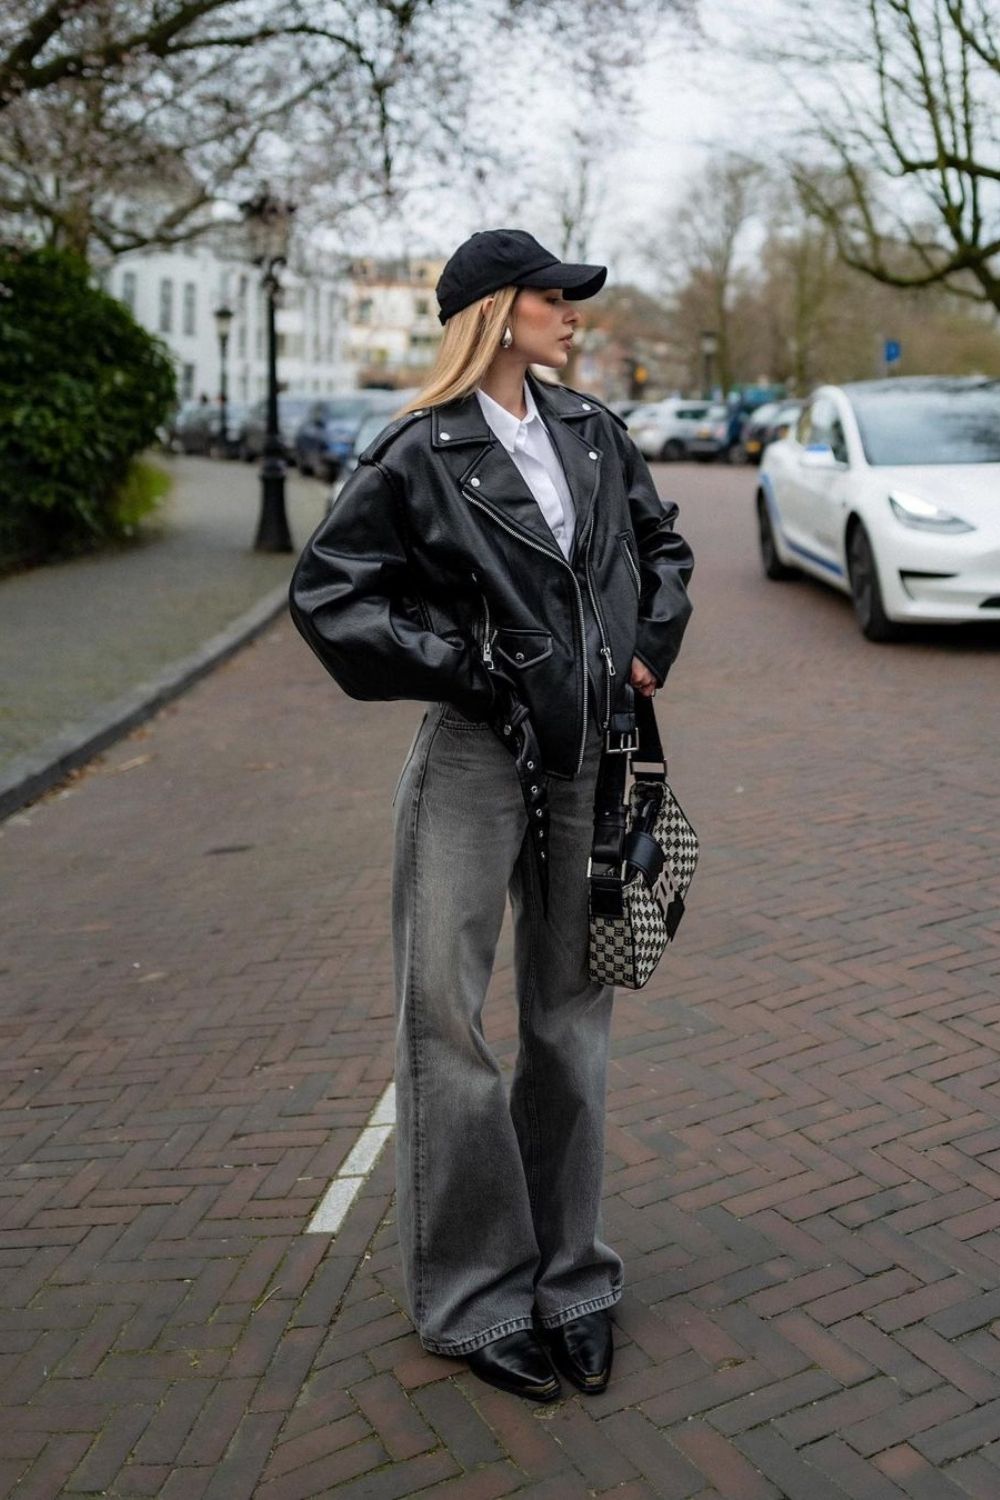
x,y
416,1038
531,988
466,1346
592,1304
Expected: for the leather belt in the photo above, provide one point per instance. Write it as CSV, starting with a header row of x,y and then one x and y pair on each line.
x,y
516,731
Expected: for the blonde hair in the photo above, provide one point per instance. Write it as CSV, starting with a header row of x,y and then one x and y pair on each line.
x,y
468,346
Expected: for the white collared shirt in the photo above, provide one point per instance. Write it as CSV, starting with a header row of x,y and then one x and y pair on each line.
x,y
529,445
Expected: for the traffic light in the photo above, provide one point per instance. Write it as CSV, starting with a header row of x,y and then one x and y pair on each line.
x,y
637,377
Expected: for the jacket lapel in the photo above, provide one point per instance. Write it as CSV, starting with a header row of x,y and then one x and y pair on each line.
x,y
491,475
561,411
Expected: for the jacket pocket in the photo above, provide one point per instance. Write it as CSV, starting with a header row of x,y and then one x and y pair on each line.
x,y
523,648
625,543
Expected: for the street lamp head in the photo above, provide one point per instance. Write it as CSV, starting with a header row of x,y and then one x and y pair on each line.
x,y
223,320
709,342
268,222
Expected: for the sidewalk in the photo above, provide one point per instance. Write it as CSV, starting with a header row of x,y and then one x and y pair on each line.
x,y
803,1116
80,636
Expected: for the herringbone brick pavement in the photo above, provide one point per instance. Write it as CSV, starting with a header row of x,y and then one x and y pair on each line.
x,y
804,1109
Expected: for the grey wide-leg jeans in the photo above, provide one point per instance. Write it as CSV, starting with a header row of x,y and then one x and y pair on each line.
x,y
498,1200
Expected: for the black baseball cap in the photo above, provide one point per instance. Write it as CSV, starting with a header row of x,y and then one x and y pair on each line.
x,y
493,258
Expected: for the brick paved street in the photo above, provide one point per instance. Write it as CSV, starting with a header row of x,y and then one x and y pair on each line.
x,y
804,1114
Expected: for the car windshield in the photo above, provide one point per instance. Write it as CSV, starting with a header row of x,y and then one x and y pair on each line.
x,y
370,428
347,408
946,422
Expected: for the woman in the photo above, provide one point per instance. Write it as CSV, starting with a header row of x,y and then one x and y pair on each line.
x,y
501,553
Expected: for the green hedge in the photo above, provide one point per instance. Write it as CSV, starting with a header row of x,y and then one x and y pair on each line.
x,y
82,390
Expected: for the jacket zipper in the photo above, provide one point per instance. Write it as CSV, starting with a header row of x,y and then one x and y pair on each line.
x,y
629,559
488,637
557,557
605,648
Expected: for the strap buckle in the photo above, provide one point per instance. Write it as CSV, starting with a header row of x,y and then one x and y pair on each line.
x,y
627,741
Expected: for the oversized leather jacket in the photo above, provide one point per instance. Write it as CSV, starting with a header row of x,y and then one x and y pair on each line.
x,y
436,564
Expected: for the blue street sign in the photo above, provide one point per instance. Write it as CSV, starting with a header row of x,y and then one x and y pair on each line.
x,y
893,351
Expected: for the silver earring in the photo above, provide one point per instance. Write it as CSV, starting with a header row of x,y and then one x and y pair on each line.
x,y
508,337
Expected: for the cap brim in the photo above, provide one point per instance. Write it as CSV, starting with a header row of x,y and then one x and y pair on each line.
x,y
576,282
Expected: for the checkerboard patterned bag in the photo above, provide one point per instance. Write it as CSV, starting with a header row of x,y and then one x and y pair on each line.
x,y
637,895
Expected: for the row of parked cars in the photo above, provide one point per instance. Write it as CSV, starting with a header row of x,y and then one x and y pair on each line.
x,y
318,433
681,428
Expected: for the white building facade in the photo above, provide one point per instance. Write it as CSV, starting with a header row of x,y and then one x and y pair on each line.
x,y
174,294
392,312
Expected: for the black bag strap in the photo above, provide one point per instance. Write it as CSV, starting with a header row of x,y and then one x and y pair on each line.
x,y
610,808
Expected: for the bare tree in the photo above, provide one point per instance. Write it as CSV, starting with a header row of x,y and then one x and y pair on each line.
x,y
124,120
697,254
903,97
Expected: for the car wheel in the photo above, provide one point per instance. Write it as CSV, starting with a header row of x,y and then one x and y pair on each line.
x,y
673,451
866,591
773,567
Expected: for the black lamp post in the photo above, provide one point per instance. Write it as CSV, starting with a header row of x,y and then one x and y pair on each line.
x,y
223,321
268,221
709,349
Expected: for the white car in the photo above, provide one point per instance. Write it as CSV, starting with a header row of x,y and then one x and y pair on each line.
x,y
890,491
662,429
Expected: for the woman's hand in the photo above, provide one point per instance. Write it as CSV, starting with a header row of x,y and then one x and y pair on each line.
x,y
642,678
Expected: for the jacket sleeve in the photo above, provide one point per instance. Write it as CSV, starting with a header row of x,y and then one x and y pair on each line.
x,y
352,598
665,564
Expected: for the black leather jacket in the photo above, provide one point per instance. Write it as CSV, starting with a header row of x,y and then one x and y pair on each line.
x,y
436,562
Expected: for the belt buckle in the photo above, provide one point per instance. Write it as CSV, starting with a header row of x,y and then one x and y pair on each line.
x,y
628,740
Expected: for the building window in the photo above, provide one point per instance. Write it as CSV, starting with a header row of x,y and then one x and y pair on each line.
x,y
421,306
241,339
189,306
187,381
166,322
128,290
365,310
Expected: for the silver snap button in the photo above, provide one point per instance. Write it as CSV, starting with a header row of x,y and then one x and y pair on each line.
x,y
446,435
519,656
541,854
531,765
589,455
585,405
474,483
419,413
538,812
534,789
506,729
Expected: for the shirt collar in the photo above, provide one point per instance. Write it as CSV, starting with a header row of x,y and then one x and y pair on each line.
x,y
504,424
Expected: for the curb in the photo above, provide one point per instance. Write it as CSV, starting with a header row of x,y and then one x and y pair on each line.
x,y
31,775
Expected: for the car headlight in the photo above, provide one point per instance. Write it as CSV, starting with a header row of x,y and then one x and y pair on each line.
x,y
923,515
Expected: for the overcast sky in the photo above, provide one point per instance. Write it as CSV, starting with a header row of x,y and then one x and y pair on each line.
x,y
689,98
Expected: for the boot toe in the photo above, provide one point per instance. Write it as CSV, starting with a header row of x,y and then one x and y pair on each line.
x,y
583,1350
516,1363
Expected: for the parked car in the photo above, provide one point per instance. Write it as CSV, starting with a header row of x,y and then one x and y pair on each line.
x,y
190,427
368,431
663,428
710,438
326,433
291,409
888,491
766,425
625,408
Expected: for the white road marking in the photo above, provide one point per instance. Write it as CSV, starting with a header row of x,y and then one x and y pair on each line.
x,y
358,1163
